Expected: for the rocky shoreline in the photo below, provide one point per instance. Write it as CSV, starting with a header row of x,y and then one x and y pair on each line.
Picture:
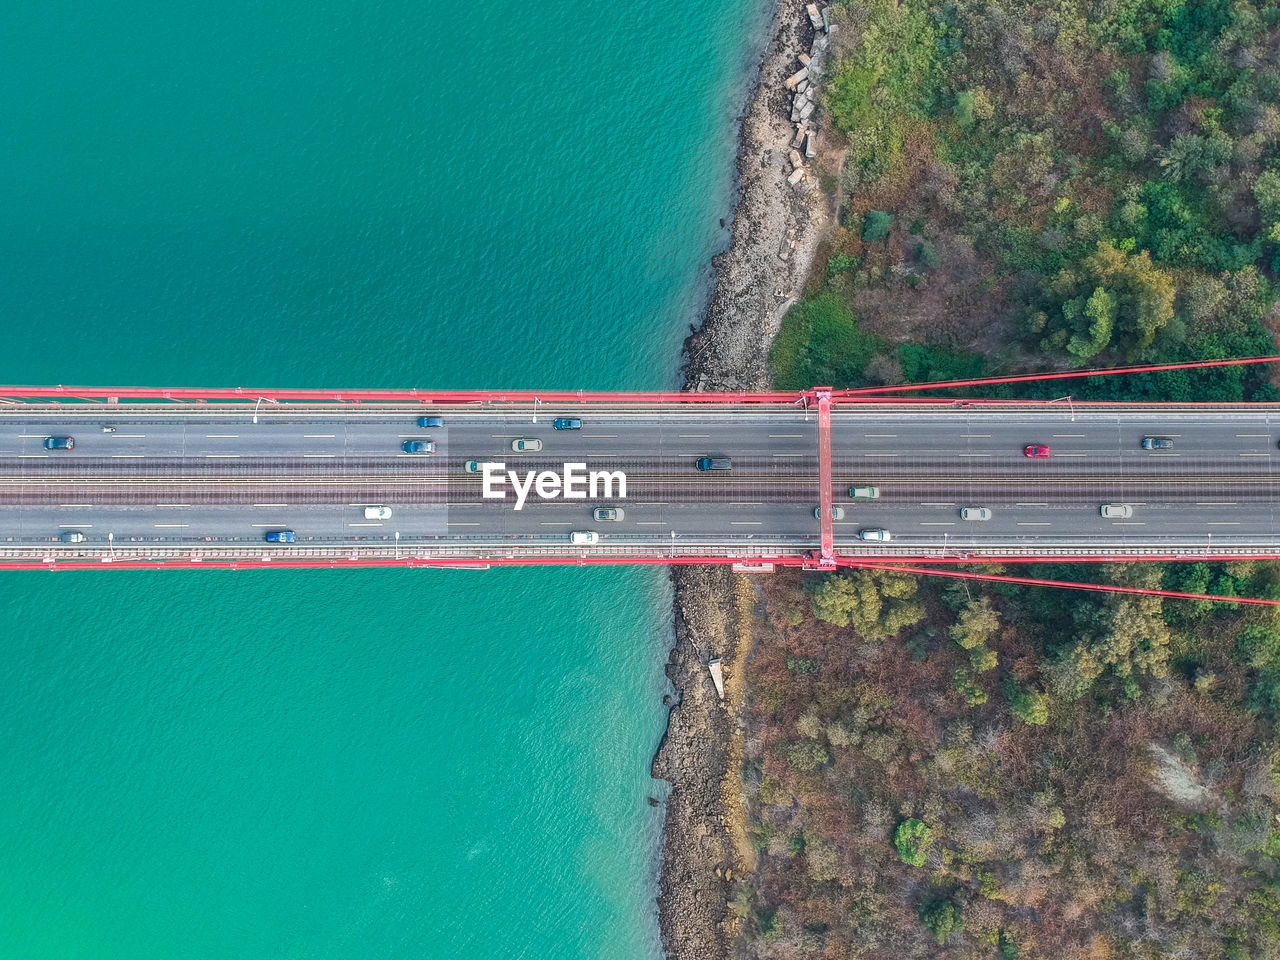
x,y
775,230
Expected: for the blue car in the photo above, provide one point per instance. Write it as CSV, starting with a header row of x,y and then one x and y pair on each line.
x,y
568,423
418,446
431,421
59,443
280,536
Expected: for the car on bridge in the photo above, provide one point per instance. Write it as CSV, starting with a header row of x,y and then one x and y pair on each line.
x,y
418,446
72,536
59,443
526,445
608,513
1157,443
864,493
567,423
877,534
975,513
1036,451
280,536
714,463
837,513
475,466
1116,511
431,421
584,538
377,513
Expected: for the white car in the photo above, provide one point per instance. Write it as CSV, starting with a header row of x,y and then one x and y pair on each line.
x,y
377,513
1116,511
526,445
608,513
875,533
975,513
584,538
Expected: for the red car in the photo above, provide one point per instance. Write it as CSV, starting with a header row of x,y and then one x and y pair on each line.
x,y
1036,452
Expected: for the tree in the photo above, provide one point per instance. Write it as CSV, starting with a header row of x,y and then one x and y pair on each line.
x,y
876,604
876,226
1028,706
942,918
914,840
976,624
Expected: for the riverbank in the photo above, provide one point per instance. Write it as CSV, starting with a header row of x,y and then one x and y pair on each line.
x,y
776,226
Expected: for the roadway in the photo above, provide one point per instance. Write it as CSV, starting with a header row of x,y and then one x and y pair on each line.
x,y
209,477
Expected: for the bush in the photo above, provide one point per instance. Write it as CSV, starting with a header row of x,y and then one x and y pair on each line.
x,y
914,840
876,226
820,344
942,918
1030,707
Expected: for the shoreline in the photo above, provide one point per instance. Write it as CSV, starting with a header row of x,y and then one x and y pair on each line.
x,y
702,858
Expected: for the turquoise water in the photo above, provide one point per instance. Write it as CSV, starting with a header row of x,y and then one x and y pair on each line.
x,y
361,764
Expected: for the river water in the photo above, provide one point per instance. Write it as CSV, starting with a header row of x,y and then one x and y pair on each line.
x,y
347,764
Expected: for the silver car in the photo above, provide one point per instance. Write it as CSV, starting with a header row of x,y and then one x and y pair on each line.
x,y
875,533
526,445
975,513
837,513
1116,511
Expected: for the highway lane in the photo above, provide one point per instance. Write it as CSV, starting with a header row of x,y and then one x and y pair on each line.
x,y
217,478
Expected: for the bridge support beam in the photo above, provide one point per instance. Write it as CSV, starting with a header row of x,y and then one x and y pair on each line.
x,y
827,554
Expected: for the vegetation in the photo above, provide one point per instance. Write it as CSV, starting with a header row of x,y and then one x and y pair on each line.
x,y
1109,787
1066,184
1001,771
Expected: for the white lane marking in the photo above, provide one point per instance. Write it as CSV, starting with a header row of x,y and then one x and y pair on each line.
x,y
1255,454
270,504
1129,523
318,436
975,436
222,456
1028,504
879,436
973,454
75,504
1068,436
222,436
599,436
1222,523
1059,455
266,524
651,503
693,436
789,454
938,503
127,456
1034,523
785,436
746,523
937,523
318,456
557,523
1215,503
83,526
32,436
364,524
1166,454
746,503
1252,436
651,523
159,505
163,525
129,436
880,454
32,456
459,523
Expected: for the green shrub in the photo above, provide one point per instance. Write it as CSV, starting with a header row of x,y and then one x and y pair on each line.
x,y
820,344
914,840
876,226
942,918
